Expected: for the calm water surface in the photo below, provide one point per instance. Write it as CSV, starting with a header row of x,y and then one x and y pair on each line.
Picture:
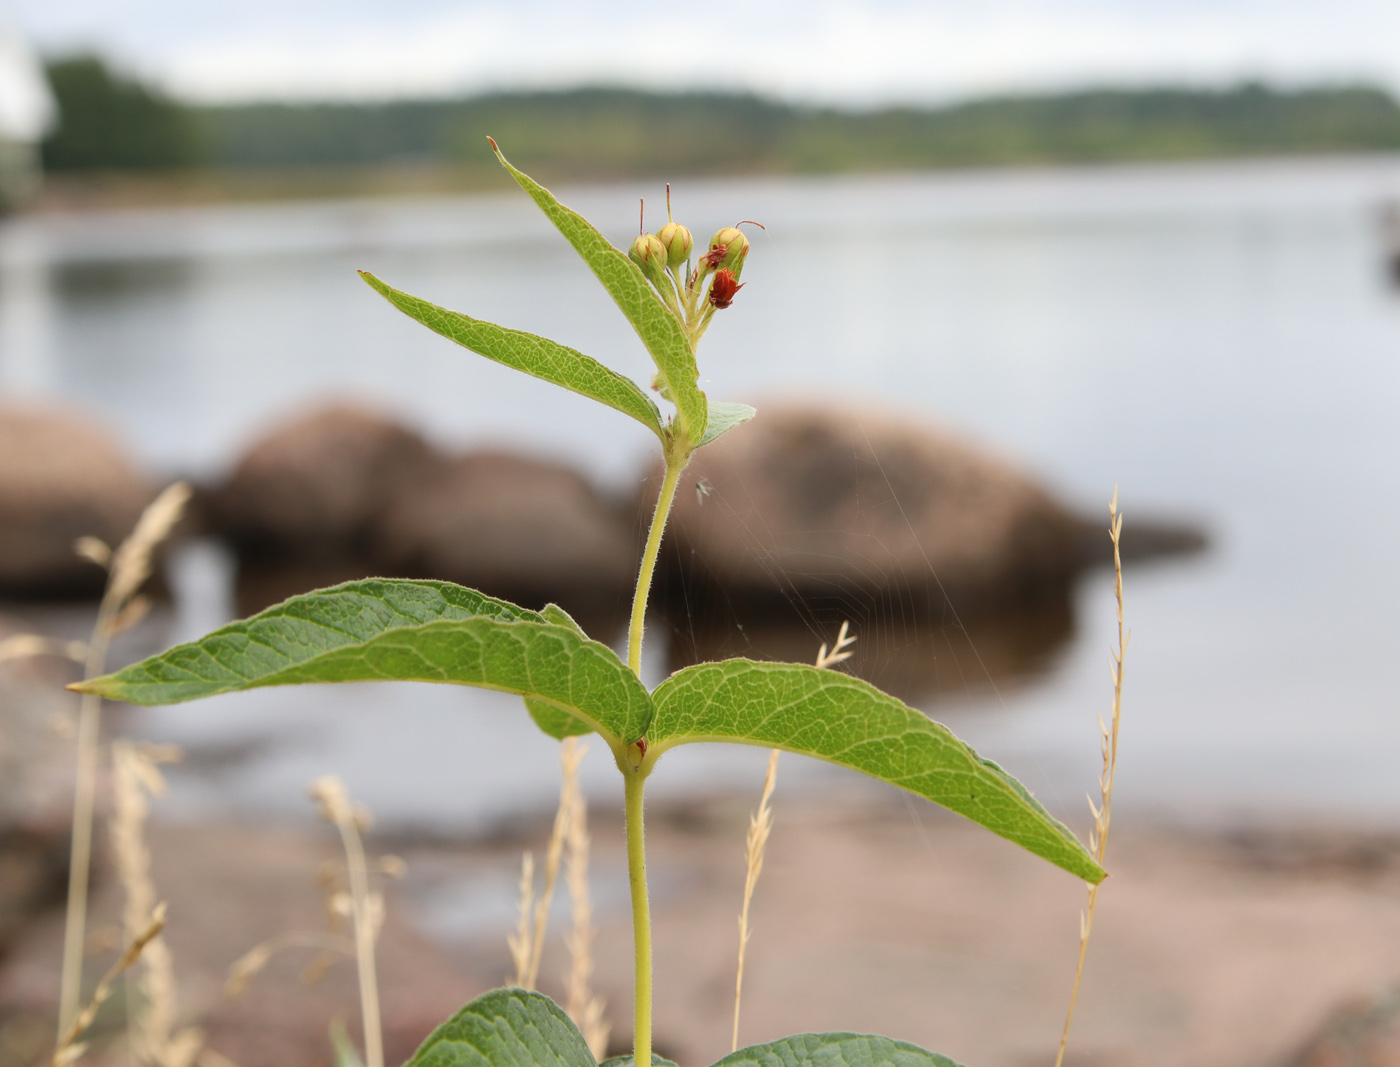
x,y
1217,340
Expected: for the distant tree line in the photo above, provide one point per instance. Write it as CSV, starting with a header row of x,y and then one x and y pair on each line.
x,y
109,122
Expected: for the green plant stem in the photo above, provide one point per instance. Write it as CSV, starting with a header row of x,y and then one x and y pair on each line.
x,y
641,917
674,467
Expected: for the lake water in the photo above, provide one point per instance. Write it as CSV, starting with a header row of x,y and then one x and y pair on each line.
x,y
1218,340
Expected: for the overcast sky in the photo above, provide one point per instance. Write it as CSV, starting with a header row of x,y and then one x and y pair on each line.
x,y
843,51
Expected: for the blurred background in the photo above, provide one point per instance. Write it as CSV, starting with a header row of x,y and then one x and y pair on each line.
x,y
1015,255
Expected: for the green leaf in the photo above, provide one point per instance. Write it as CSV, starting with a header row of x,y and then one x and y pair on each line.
x,y
390,630
557,615
846,721
835,1050
557,724
534,355
629,1059
724,416
506,1028
658,328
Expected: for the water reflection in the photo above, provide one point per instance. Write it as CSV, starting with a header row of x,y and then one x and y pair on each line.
x,y
924,658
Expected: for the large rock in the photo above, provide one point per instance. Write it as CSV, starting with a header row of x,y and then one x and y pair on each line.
x,y
314,487
345,493
816,503
61,478
514,527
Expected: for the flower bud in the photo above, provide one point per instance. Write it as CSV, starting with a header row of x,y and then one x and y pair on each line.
x,y
728,248
723,288
647,251
677,241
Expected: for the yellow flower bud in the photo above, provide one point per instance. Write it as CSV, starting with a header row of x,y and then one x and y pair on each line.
x,y
728,247
647,251
677,241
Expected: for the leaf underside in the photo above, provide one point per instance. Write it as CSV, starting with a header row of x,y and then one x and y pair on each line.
x,y
724,416
846,721
532,354
383,629
650,317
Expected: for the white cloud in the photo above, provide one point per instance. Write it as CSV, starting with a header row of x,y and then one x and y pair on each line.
x,y
819,50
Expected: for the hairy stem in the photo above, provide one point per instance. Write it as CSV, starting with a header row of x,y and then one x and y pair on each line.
x,y
641,918
674,466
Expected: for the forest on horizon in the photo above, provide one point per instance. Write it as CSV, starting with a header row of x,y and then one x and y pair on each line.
x,y
110,123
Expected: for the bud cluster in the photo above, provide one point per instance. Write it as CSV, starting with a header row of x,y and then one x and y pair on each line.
x,y
665,259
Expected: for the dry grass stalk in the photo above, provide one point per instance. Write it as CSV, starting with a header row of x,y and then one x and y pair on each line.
x,y
761,825
1108,744
584,1007
365,907
554,854
840,652
244,969
22,646
521,942
69,1047
151,998
129,567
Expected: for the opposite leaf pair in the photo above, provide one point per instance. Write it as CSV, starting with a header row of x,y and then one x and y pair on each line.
x,y
429,631
516,1028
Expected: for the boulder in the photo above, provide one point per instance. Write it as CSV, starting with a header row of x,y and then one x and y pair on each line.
x,y
61,478
815,503
344,493
314,487
514,527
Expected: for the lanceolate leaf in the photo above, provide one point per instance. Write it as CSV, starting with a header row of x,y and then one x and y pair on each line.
x,y
835,1050
388,630
724,416
655,325
534,355
849,722
506,1028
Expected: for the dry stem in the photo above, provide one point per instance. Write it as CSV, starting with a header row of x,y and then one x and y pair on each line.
x,y
130,566
584,1007
568,787
150,1028
69,1049
366,908
1108,744
761,824
520,942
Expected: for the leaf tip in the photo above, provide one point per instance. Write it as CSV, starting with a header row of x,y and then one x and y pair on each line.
x,y
495,148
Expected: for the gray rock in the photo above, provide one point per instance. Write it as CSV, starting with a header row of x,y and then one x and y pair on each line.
x,y
61,478
315,486
513,527
344,493
813,501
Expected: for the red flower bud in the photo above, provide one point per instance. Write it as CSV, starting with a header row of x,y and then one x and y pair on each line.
x,y
723,288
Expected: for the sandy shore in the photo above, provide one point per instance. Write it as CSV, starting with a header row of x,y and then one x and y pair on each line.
x,y
1215,949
